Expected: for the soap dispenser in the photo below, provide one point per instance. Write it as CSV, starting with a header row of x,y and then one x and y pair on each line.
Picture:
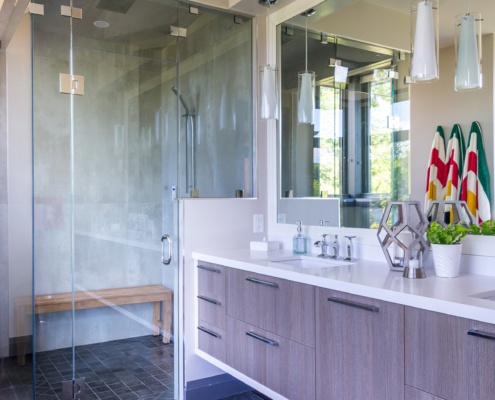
x,y
299,243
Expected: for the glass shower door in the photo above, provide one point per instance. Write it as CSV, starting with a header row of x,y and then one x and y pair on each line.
x,y
106,173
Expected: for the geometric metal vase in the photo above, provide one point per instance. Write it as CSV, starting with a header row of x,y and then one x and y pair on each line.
x,y
402,237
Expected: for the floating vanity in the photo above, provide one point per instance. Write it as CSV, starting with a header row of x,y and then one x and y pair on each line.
x,y
299,327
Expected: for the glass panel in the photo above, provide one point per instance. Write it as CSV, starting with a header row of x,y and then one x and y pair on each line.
x,y
125,165
109,167
216,87
106,165
52,240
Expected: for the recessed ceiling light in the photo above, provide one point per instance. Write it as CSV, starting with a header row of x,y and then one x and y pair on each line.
x,y
101,24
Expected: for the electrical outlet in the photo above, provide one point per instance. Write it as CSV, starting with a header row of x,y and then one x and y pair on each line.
x,y
258,223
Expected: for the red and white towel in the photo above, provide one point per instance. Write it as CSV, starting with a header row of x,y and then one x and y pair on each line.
x,y
475,189
436,176
456,150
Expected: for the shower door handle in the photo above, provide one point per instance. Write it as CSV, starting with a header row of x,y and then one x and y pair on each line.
x,y
166,261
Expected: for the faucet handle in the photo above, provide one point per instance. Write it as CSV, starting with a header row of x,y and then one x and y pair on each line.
x,y
350,249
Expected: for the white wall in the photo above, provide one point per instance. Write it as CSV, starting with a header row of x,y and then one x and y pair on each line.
x,y
210,224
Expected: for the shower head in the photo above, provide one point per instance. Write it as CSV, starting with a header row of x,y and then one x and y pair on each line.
x,y
184,104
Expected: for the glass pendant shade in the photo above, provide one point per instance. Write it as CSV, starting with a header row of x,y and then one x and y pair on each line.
x,y
306,97
424,64
269,92
468,52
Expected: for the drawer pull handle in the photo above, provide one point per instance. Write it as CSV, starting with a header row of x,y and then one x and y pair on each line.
x,y
211,333
262,339
262,282
354,304
483,335
212,301
211,269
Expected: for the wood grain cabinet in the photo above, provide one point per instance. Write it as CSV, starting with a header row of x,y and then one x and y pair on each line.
x,y
271,329
450,357
211,310
359,347
285,366
283,307
310,343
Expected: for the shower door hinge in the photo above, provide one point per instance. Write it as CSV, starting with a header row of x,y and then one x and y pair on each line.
x,y
67,11
178,32
71,84
74,390
36,9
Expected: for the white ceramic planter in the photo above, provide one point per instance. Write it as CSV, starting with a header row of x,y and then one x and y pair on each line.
x,y
447,259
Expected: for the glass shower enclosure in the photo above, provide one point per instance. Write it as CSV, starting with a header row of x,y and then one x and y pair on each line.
x,y
119,128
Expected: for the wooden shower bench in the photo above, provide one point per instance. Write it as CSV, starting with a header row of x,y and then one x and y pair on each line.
x,y
47,303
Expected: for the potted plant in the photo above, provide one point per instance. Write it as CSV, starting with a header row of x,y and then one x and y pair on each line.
x,y
486,228
446,247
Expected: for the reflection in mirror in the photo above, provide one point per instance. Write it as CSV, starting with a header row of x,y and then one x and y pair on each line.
x,y
343,170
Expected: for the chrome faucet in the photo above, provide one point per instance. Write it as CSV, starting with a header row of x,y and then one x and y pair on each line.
x,y
325,245
335,246
350,249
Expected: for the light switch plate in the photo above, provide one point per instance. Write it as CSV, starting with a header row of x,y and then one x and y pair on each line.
x,y
258,223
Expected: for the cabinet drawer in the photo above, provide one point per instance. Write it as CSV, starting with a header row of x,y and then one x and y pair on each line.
x,y
277,305
211,310
282,365
450,357
212,340
359,347
211,280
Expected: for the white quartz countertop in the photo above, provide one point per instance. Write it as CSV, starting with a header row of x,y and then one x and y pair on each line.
x,y
452,296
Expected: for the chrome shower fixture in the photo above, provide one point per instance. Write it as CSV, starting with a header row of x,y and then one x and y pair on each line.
x,y
184,104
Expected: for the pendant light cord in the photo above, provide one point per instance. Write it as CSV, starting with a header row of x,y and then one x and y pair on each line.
x,y
306,59
268,34
468,7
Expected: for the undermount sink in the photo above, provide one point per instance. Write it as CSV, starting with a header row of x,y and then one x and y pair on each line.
x,y
485,295
301,261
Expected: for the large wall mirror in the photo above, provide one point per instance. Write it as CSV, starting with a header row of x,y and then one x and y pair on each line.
x,y
344,168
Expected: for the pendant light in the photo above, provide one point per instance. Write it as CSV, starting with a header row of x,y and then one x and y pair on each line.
x,y
306,86
468,50
269,76
424,24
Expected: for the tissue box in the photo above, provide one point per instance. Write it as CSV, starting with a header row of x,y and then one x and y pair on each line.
x,y
264,246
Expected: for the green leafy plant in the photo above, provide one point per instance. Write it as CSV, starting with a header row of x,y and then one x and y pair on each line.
x,y
486,228
452,234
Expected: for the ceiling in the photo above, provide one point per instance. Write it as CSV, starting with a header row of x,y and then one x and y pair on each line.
x,y
12,10
448,9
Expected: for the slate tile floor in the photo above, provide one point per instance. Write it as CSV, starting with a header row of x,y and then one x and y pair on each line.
x,y
138,368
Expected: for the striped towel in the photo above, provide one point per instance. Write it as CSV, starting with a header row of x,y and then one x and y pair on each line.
x,y
475,190
436,175
456,151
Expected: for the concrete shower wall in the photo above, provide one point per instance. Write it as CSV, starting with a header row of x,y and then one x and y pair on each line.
x,y
216,80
